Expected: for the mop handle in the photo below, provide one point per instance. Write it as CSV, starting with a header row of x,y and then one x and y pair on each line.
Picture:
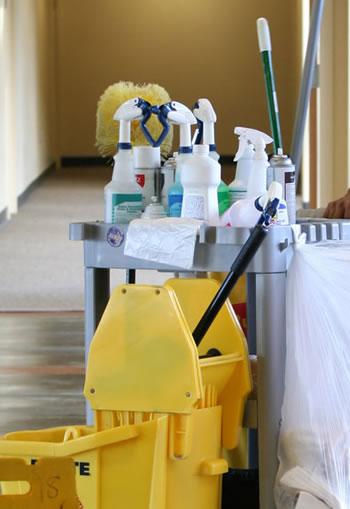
x,y
306,85
238,267
265,49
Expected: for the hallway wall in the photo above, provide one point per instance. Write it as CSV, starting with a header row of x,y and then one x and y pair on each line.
x,y
197,48
28,94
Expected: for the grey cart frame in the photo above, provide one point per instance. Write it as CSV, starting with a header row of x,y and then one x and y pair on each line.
x,y
215,250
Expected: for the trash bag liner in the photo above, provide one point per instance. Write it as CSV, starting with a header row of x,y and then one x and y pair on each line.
x,y
314,443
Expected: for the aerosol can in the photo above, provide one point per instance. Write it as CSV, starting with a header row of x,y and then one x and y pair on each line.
x,y
282,170
148,172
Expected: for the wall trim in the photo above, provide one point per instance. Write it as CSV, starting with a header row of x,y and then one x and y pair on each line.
x,y
81,161
23,196
3,217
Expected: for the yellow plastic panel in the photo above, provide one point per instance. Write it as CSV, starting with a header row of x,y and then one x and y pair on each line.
x,y
51,482
230,373
195,482
194,296
109,474
143,357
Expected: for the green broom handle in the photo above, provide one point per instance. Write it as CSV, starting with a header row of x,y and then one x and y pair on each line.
x,y
271,94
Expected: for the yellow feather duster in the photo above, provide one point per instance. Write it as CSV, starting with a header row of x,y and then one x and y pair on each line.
x,y
107,129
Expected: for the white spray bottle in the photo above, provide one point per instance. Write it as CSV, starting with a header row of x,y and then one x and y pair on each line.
x,y
247,138
123,196
245,213
206,118
257,183
182,116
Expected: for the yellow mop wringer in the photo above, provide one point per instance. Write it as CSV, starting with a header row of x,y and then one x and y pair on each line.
x,y
162,413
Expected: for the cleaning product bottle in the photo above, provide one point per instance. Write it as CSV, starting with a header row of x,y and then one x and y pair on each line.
x,y
168,172
175,193
282,170
206,118
257,183
238,187
245,213
244,157
200,177
147,172
182,116
123,196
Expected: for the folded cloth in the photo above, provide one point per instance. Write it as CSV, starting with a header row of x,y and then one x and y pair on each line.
x,y
298,479
316,213
169,240
307,501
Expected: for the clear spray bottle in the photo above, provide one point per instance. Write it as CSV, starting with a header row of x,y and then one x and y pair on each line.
x,y
123,196
182,116
245,155
206,118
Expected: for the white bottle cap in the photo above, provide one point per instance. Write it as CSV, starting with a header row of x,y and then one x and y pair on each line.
x,y
154,210
146,157
202,150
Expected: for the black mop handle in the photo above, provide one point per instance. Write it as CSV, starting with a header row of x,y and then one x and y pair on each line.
x,y
243,259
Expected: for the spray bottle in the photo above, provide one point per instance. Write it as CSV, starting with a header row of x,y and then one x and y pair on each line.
x,y
245,213
123,196
257,183
206,118
244,157
178,114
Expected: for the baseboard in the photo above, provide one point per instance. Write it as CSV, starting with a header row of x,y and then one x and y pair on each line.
x,y
23,196
227,160
3,217
78,162
84,161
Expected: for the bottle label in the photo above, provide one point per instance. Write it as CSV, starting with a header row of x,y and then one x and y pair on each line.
x,y
236,195
175,205
289,179
194,207
126,207
281,217
140,179
223,202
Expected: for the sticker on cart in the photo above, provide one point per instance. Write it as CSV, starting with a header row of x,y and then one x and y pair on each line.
x,y
115,236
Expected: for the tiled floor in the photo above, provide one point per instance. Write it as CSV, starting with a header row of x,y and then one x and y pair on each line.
x,y
41,370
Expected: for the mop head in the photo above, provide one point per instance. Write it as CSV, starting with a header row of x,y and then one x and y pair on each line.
x,y
107,129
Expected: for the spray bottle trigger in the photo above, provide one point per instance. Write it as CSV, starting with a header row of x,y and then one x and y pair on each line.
x,y
198,135
161,113
243,145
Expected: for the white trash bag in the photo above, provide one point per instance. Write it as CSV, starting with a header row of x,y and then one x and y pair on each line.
x,y
314,443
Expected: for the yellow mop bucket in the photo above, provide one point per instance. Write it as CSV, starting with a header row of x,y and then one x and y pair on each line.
x,y
111,466
162,413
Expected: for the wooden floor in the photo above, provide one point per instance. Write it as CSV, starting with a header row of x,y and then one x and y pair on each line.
x,y
41,370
